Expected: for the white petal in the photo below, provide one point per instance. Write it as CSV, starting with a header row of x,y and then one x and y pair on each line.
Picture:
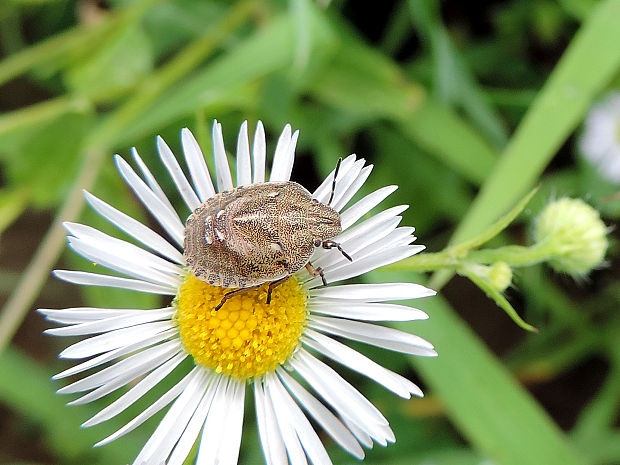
x,y
85,314
244,170
195,425
363,206
291,155
284,156
152,409
197,166
373,292
379,336
371,225
312,445
378,247
344,398
114,340
94,279
352,189
229,449
213,431
160,444
345,180
104,242
360,363
365,311
177,175
279,159
152,183
323,192
99,244
136,392
362,436
356,246
112,323
118,382
358,267
259,406
328,421
167,218
146,359
116,353
135,229
224,179
113,260
271,441
221,436
259,153
294,449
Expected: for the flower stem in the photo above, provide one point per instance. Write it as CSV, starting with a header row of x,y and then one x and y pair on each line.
x,y
513,255
48,252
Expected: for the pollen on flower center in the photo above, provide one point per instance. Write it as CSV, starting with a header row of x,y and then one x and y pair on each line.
x,y
245,337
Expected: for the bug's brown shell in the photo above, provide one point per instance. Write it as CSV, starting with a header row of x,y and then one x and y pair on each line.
x,y
256,234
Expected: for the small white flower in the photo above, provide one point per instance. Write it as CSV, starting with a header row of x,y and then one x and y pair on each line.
x,y
272,348
600,141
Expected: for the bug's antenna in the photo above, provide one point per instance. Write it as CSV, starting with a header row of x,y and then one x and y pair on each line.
x,y
331,197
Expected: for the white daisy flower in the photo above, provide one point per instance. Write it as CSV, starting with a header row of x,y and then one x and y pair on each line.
x,y
273,349
600,141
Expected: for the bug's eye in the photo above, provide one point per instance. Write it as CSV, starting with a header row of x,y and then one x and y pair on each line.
x,y
316,242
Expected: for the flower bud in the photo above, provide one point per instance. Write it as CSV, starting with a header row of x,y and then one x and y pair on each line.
x,y
500,276
575,234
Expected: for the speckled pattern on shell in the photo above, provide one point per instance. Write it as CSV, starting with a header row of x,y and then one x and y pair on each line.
x,y
256,234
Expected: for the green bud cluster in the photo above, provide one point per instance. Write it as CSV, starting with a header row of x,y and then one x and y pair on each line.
x,y
574,233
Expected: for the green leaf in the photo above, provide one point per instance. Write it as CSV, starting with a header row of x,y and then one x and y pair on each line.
x,y
361,81
482,398
270,49
587,65
117,64
498,226
444,134
27,389
46,161
453,80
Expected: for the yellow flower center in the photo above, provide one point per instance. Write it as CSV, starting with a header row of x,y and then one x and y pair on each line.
x,y
245,337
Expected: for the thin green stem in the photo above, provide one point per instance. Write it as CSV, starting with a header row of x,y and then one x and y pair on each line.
x,y
48,252
452,258
514,255
428,262
43,111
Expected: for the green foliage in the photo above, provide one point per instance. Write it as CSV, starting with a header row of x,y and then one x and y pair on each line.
x,y
466,121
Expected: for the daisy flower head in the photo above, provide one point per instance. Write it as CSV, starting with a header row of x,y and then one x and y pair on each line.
x,y
266,339
600,141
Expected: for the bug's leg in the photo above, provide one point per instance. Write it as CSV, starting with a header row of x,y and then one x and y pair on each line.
x,y
331,196
329,244
273,285
230,294
316,272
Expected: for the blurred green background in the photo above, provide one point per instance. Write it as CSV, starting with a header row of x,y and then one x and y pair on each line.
x,y
465,106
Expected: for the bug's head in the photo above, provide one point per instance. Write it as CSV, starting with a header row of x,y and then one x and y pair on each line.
x,y
325,222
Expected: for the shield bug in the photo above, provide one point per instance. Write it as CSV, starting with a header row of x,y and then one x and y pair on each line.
x,y
263,233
